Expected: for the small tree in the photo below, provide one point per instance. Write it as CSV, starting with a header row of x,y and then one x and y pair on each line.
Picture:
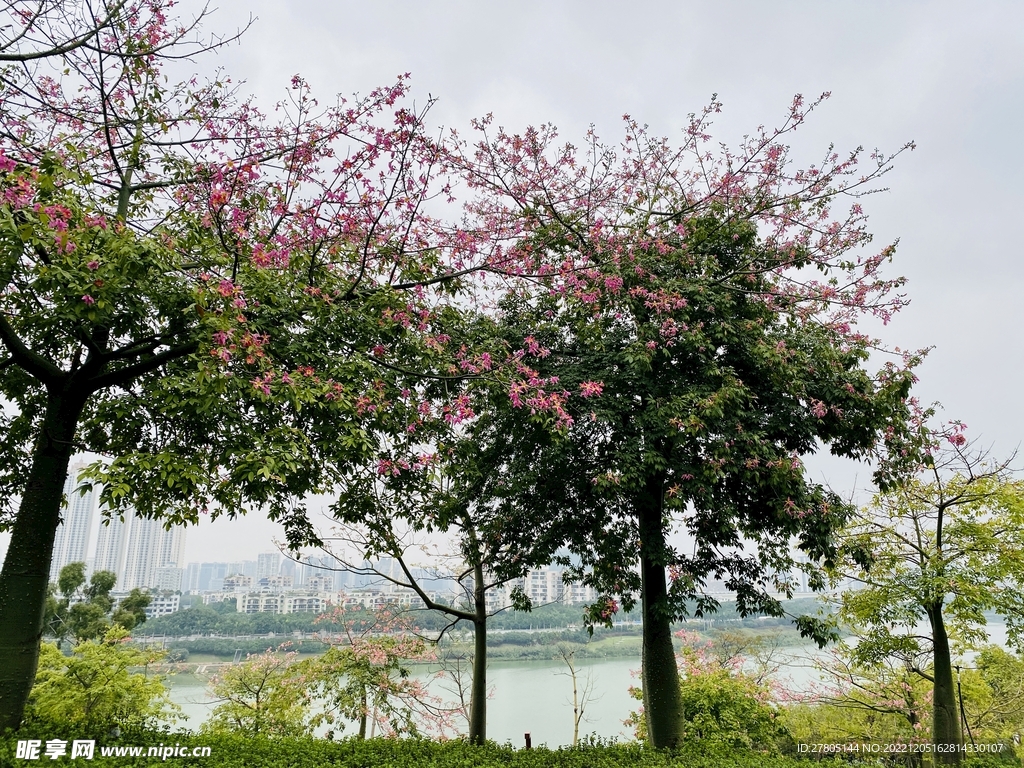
x,y
582,690
263,695
379,538
363,677
96,689
939,546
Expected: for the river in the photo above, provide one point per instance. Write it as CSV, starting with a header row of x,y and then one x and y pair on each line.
x,y
535,697
528,697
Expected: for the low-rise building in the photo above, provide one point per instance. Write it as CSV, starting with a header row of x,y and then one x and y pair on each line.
x,y
275,583
162,604
273,602
236,582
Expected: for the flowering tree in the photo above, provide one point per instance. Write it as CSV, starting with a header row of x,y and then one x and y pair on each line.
x,y
940,547
363,677
693,317
262,695
190,288
705,407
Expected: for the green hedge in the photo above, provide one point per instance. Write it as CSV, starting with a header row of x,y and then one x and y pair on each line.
x,y
233,751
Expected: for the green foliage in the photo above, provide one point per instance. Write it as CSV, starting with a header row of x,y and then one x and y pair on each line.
x,y
237,751
933,553
215,620
732,710
848,724
86,611
723,705
131,611
95,688
226,648
994,696
264,695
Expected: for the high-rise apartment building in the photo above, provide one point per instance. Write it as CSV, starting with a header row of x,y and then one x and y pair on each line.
x,y
152,550
111,544
268,564
190,582
72,539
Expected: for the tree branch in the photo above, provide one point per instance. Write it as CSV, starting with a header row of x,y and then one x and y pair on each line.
x,y
60,50
131,372
33,363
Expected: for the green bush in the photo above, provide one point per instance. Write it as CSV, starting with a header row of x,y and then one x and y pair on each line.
x,y
95,688
233,751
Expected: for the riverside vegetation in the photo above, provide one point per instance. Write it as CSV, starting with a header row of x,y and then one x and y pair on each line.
x,y
736,714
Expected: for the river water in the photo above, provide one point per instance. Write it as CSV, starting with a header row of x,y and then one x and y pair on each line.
x,y
528,697
535,697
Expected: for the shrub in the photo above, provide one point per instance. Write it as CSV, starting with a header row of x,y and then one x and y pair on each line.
x,y
95,688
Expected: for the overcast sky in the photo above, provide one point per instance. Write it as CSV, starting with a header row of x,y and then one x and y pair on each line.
x,y
947,75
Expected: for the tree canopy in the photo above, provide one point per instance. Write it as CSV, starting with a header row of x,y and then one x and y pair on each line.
x,y
85,610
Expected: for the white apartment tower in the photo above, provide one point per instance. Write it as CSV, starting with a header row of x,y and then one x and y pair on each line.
x,y
111,543
151,552
72,539
268,564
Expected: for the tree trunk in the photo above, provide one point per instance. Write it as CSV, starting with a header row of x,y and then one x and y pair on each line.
x,y
478,693
576,716
945,716
26,568
362,715
663,706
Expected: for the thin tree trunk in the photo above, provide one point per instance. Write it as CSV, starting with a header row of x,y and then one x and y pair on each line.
x,y
663,706
478,693
946,735
362,715
26,568
575,705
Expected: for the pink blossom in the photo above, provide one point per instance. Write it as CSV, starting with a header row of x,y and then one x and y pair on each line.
x,y
88,299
